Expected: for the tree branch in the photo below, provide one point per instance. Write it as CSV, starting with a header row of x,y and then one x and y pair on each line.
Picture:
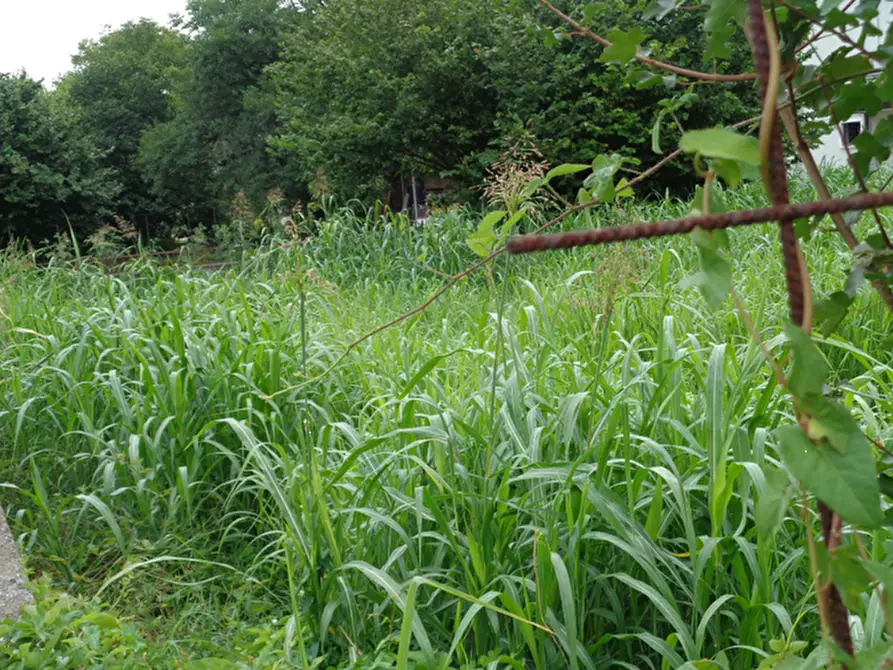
x,y
669,67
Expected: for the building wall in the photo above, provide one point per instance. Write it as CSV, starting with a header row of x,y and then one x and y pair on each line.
x,y
831,148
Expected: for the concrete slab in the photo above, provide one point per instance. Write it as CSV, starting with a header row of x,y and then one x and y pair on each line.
x,y
13,594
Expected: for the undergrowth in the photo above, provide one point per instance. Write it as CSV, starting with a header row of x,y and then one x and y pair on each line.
x,y
517,478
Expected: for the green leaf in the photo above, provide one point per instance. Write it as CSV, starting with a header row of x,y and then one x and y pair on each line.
x,y
847,572
830,312
717,206
624,45
722,16
729,170
655,512
483,239
722,143
869,150
809,370
567,168
715,278
773,503
658,9
847,483
832,421
655,132
604,167
622,190
646,80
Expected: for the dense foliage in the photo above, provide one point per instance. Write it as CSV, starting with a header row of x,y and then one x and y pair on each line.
x,y
560,471
345,97
50,172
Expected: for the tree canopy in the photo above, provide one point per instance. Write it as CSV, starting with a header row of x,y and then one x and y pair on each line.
x,y
343,97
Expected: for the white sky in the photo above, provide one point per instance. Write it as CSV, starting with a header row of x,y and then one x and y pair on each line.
x,y
40,36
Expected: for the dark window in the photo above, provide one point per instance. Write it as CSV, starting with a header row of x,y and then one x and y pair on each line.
x,y
851,130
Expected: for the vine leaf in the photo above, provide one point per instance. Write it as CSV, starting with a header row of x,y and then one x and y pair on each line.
x,y
720,26
830,312
809,370
483,239
625,44
715,278
825,420
601,181
565,169
847,483
870,152
847,571
722,143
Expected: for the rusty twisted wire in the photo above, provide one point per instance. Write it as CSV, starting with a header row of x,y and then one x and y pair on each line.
x,y
579,238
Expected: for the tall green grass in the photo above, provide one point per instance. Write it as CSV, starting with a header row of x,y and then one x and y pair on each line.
x,y
562,472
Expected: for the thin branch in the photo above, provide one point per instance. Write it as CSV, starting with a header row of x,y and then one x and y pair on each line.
x,y
661,65
789,118
843,37
852,161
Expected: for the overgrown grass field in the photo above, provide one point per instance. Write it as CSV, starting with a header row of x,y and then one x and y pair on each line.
x,y
561,467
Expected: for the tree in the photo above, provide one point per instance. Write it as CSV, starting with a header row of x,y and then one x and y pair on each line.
x,y
218,140
366,91
50,172
122,85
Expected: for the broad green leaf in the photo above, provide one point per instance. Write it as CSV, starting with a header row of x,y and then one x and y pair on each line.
x,y
604,167
624,45
809,370
847,571
717,205
506,228
567,168
846,482
832,421
728,170
719,24
622,190
722,143
658,9
715,278
483,239
870,152
830,312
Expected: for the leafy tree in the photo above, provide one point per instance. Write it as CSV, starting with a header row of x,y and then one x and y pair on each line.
x,y
580,101
366,91
50,172
122,85
218,141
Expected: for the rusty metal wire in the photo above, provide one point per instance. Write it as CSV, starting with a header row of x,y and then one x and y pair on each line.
x,y
580,238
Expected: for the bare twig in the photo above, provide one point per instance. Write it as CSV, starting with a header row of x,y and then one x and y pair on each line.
x,y
661,65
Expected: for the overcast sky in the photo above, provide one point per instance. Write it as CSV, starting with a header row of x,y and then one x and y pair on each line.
x,y
40,36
